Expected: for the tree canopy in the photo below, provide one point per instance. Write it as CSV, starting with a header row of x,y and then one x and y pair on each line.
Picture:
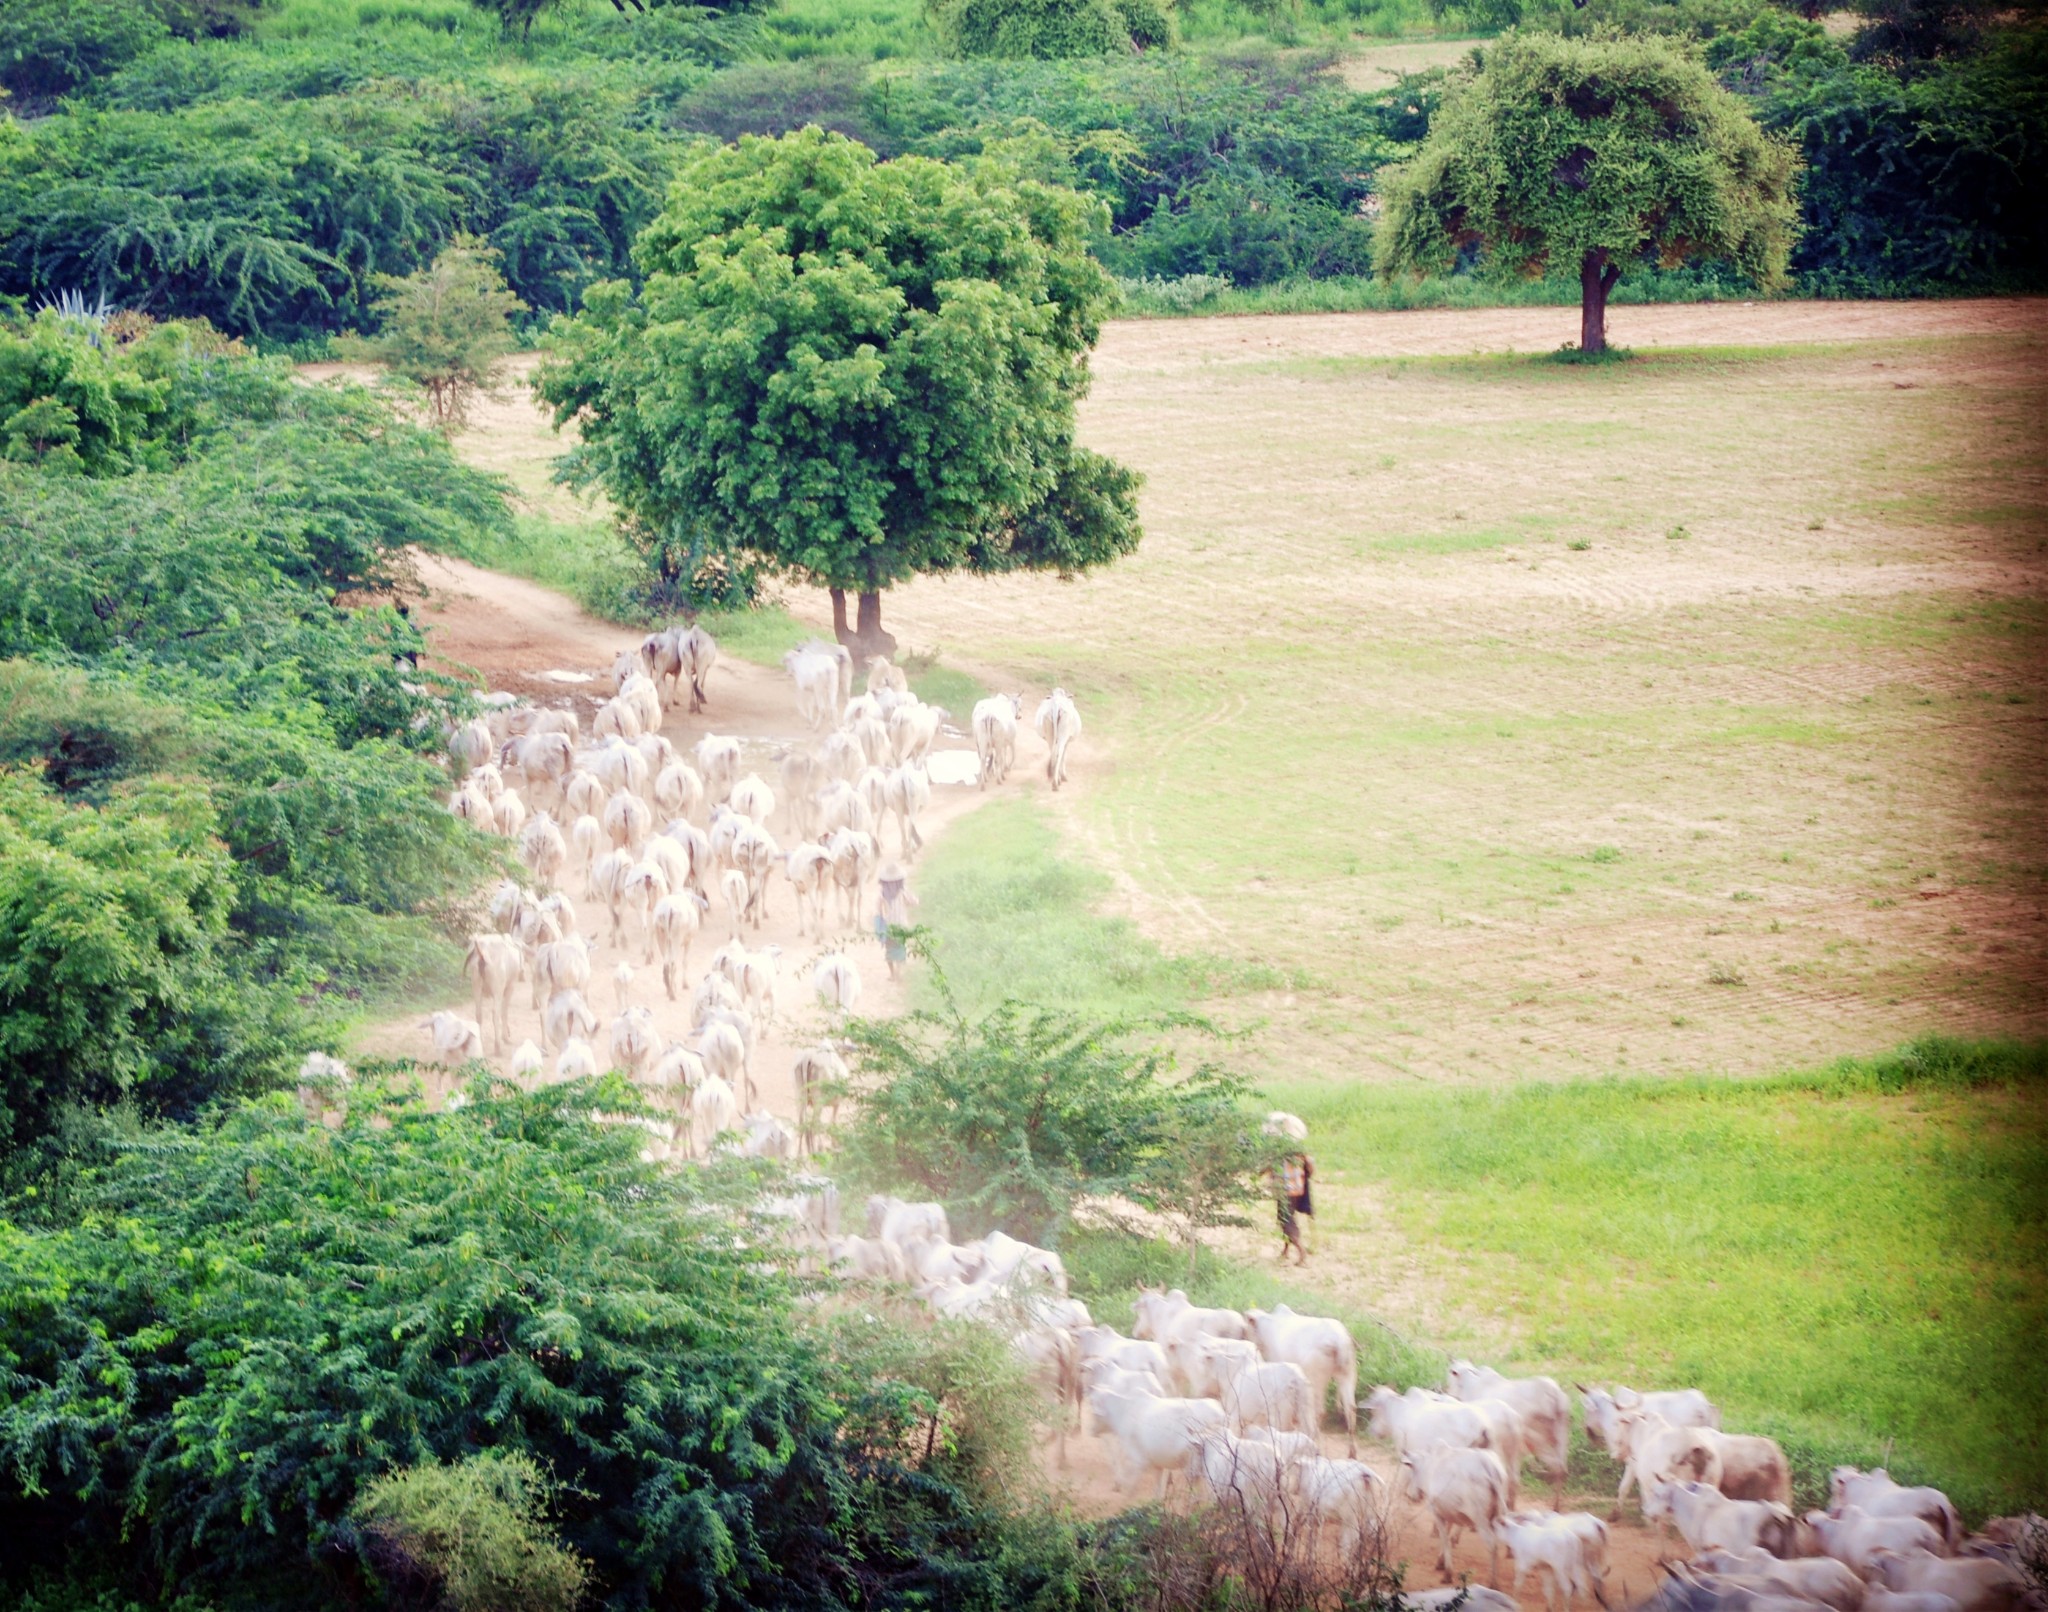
x,y
1594,156
850,370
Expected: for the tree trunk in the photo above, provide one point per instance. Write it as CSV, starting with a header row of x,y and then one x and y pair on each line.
x,y
840,630
868,636
1596,279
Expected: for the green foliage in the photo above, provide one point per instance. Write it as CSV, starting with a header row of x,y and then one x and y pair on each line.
x,y
850,370
474,1536
49,48
1011,1117
1924,182
271,207
1044,28
252,1324
1552,154
202,720
69,403
114,977
445,327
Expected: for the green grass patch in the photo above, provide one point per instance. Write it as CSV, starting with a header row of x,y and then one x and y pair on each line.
x,y
1012,919
1851,1259
946,686
1370,294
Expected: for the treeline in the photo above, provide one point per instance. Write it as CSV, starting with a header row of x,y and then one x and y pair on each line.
x,y
261,181
219,820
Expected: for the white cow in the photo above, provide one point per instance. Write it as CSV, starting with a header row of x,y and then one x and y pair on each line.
x,y
1265,1393
907,792
1974,1583
1197,1360
1709,1520
494,965
718,764
1059,725
1541,1406
1340,1492
1245,1474
635,1045
1162,1315
995,736
837,982
1855,1537
1461,1488
1569,1547
1416,1421
1877,1494
1809,1578
1161,1436
1677,1407
714,1110
815,672
456,1040
1322,1348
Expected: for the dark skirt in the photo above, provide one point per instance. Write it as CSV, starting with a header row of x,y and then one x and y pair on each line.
x,y
1298,1204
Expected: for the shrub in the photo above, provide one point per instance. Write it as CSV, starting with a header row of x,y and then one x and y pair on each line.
x,y
213,1375
49,48
1012,1118
1046,28
470,1537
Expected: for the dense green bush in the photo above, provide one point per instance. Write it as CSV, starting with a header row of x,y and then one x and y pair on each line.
x,y
1930,181
253,1324
1047,28
1012,1117
51,47
211,760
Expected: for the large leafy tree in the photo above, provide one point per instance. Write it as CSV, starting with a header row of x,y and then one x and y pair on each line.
x,y
1595,157
850,370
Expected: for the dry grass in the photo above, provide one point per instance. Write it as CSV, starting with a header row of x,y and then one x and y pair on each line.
x,y
1359,711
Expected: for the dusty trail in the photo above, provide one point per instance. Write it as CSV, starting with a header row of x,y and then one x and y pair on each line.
x,y
528,640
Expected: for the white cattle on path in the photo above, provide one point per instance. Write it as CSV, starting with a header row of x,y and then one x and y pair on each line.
x,y
1322,1348
1566,1550
1460,1488
1161,1436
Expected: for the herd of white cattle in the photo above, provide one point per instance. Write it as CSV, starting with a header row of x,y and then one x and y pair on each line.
x,y
588,810
1234,1401
1230,1402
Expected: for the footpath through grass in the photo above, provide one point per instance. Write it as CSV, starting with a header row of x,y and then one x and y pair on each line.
x,y
1854,1260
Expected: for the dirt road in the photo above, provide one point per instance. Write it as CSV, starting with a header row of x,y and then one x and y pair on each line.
x,y
527,640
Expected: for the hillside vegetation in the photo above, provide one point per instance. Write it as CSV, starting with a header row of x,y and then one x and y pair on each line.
x,y
259,166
